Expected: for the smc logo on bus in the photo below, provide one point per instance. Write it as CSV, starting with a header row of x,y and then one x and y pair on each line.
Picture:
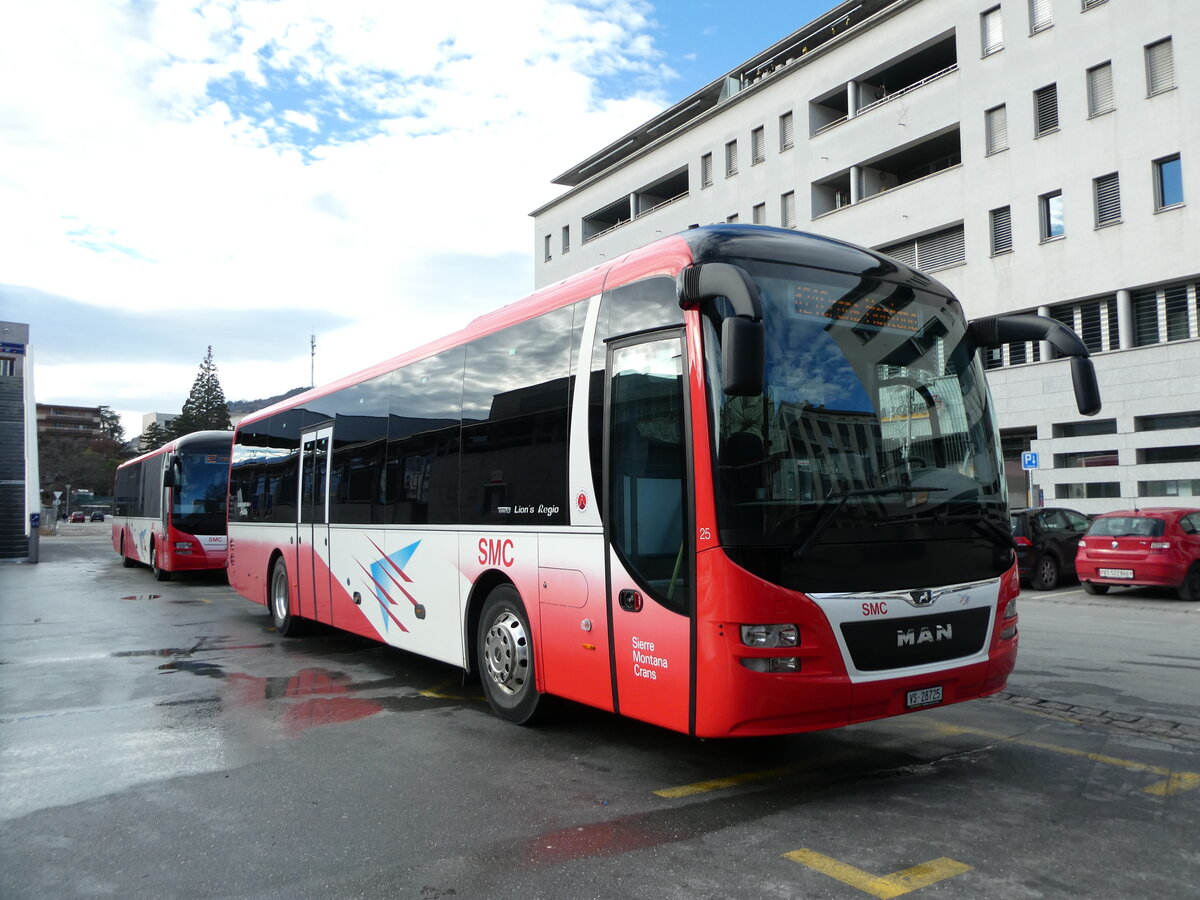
x,y
496,552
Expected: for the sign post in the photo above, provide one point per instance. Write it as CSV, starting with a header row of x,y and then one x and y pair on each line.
x,y
1029,462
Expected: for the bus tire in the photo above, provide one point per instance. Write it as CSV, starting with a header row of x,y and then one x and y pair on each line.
x,y
504,655
160,574
279,601
126,561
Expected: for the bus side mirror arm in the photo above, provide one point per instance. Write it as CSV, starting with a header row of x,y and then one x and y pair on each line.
x,y
995,331
742,333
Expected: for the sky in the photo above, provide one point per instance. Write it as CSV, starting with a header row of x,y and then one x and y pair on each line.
x,y
243,174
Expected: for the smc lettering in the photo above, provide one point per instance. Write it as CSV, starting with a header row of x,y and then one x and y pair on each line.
x,y
496,552
878,608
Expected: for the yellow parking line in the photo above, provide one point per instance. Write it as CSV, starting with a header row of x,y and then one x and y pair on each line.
x,y
1173,783
717,784
882,886
437,692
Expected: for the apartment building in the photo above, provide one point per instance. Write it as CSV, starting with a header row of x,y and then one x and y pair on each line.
x,y
1033,155
20,498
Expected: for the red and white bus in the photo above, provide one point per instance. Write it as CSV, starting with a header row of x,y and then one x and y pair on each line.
x,y
169,505
742,481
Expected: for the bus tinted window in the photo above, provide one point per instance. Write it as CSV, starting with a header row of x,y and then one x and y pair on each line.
x,y
420,481
280,471
248,499
514,463
360,434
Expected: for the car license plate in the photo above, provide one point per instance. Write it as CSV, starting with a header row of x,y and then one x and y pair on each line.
x,y
923,697
1116,573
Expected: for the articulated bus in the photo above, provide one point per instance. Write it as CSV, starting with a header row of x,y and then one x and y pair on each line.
x,y
743,481
169,505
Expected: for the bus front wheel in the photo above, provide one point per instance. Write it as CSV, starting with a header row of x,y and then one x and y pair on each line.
x,y
160,574
281,601
126,561
504,654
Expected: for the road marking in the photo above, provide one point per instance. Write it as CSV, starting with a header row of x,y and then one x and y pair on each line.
x,y
1173,783
881,886
718,784
437,692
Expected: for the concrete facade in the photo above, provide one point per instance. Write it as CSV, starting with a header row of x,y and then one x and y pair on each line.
x,y
1050,171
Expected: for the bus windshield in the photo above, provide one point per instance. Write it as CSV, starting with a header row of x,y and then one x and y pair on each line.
x,y
202,484
871,458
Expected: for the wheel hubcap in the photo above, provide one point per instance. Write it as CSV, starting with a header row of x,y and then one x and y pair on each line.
x,y
506,653
279,596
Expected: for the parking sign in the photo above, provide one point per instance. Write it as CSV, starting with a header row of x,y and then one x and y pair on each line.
x,y
1029,460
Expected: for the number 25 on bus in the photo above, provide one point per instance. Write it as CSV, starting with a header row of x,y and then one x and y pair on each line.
x,y
742,481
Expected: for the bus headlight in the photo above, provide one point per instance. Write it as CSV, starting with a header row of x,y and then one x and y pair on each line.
x,y
771,635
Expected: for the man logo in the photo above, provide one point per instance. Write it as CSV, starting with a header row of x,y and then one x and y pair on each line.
x,y
920,598
910,637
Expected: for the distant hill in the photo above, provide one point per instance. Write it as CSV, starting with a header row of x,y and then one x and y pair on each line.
x,y
243,407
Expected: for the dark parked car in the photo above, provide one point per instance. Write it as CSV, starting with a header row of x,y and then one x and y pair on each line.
x,y
1046,540
97,515
1142,548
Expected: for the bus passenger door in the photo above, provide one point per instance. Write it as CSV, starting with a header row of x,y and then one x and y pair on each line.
x,y
313,533
647,511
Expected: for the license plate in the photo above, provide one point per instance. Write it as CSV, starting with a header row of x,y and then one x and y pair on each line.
x,y
923,697
1116,573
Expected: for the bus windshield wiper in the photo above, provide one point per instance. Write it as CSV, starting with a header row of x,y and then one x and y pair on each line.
x,y
841,498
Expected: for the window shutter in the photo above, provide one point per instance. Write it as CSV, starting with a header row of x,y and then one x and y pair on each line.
x,y
731,159
996,125
1160,67
1100,89
759,214
905,253
758,141
940,250
1145,318
786,137
1041,15
789,210
1175,305
1001,230
993,31
1046,108
706,170
1108,199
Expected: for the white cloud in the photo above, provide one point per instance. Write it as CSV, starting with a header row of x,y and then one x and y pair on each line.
x,y
235,154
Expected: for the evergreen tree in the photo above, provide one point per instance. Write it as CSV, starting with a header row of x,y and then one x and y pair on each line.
x,y
153,437
110,424
205,408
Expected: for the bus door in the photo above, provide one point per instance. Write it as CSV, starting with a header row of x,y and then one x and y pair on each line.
x,y
648,508
312,538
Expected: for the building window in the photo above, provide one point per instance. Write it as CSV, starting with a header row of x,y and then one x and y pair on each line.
x,y
1179,487
1001,223
930,252
8,367
1175,312
1045,110
1086,459
1168,182
759,214
991,30
1107,189
1160,67
731,159
1091,4
1145,318
758,145
1100,89
1095,321
1041,15
1167,421
1085,429
1154,455
1093,490
996,129
787,210
1051,207
786,133
546,247
566,239
731,220
706,170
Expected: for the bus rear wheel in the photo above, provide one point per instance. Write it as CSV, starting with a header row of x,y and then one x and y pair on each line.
x,y
280,601
504,654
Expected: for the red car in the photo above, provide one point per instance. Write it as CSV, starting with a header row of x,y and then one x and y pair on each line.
x,y
78,516
1142,548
